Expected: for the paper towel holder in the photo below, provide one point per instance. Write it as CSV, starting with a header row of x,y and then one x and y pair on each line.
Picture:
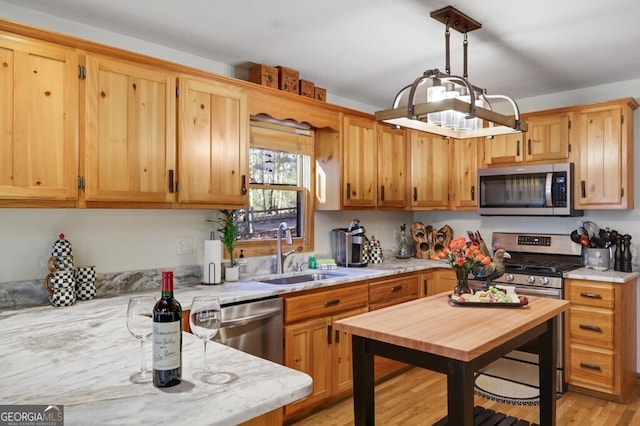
x,y
208,281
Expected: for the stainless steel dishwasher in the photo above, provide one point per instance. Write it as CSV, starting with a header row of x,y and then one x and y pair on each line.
x,y
253,326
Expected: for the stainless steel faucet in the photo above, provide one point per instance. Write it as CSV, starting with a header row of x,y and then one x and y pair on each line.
x,y
280,258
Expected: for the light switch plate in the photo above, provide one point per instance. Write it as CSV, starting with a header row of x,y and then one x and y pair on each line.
x,y
184,245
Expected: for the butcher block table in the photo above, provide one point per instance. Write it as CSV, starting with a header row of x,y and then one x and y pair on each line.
x,y
455,340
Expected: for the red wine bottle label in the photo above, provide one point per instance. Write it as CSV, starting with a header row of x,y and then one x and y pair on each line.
x,y
166,345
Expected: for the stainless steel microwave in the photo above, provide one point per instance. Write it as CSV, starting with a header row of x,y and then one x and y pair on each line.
x,y
536,190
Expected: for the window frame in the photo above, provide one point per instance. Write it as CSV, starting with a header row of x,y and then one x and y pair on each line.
x,y
283,138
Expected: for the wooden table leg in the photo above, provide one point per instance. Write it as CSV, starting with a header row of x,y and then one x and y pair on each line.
x,y
547,373
460,394
363,383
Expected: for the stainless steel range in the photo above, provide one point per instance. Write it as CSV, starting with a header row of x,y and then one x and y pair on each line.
x,y
535,269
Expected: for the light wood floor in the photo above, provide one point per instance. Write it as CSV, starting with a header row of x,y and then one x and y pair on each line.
x,y
418,397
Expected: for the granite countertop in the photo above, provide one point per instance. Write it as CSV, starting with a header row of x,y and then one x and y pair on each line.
x,y
81,357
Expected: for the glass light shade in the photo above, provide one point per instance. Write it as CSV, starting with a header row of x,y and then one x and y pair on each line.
x,y
434,94
449,116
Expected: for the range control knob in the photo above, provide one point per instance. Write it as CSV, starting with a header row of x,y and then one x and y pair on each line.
x,y
509,278
531,279
544,280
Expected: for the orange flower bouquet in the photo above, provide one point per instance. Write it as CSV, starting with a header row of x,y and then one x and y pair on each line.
x,y
463,256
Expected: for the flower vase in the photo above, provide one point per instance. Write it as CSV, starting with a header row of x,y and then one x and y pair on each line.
x,y
462,282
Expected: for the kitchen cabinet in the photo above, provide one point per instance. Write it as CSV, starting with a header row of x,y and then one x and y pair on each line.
x,y
605,170
313,347
548,140
464,173
600,350
388,292
38,123
213,143
436,281
359,159
429,171
130,132
392,166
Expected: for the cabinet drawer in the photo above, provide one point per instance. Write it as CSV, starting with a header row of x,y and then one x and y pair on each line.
x,y
591,294
323,303
591,367
399,289
591,327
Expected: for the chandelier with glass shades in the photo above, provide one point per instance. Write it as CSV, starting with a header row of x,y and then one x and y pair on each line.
x,y
450,105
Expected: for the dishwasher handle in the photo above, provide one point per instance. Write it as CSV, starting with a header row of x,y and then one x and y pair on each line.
x,y
236,322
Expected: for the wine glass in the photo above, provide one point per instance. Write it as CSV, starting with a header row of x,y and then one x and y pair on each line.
x,y
140,325
205,318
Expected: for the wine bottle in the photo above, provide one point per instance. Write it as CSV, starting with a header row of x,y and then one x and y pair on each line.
x,y
167,336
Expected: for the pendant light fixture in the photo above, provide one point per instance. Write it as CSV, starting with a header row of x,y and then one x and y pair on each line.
x,y
447,104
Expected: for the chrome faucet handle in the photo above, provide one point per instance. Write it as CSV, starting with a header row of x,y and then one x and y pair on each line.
x,y
299,266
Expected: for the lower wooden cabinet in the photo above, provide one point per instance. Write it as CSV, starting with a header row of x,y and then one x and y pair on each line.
x,y
601,338
434,281
312,345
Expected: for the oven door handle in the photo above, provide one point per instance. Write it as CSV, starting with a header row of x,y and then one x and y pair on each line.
x,y
540,292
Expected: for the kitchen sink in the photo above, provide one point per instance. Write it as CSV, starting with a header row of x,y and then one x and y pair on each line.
x,y
296,279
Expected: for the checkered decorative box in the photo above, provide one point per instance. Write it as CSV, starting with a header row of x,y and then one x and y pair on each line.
x,y
86,291
65,296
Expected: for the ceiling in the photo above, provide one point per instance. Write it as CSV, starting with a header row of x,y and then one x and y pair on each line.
x,y
367,50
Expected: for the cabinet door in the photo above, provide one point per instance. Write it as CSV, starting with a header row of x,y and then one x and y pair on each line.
x,y
130,132
429,171
307,349
342,378
602,168
360,159
392,167
38,120
464,173
548,137
504,149
444,280
213,146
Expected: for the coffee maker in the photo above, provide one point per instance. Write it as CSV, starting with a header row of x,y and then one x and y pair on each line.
x,y
350,245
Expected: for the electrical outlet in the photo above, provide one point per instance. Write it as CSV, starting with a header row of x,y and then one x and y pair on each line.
x,y
184,245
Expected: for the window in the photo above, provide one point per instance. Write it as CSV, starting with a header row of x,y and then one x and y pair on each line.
x,y
280,174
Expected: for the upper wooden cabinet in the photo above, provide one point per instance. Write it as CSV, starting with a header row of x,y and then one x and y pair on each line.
x,y
359,159
130,141
604,173
38,122
464,173
548,140
392,167
429,171
213,146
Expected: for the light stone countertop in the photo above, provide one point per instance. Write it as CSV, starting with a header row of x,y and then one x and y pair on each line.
x,y
81,357
609,275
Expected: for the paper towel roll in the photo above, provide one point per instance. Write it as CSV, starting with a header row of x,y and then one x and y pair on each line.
x,y
212,268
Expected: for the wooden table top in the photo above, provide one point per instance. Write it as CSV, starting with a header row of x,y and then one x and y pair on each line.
x,y
433,325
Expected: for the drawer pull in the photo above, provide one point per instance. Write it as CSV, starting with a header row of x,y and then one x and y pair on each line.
x,y
591,295
396,288
332,302
590,328
329,330
590,366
